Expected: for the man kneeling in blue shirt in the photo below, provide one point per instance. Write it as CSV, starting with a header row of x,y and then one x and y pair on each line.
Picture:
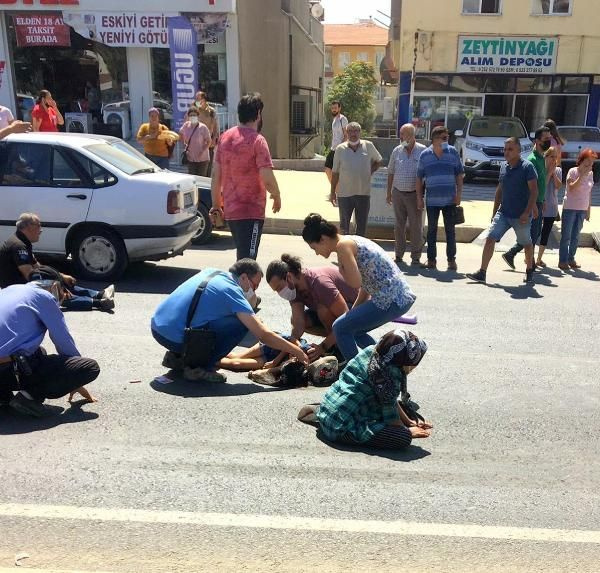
x,y
225,309
514,207
26,313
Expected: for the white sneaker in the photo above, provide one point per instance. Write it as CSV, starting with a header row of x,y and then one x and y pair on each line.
x,y
109,292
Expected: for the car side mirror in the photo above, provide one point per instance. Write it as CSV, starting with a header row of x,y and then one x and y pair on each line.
x,y
459,133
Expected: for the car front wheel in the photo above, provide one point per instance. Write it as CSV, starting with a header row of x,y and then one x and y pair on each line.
x,y
99,254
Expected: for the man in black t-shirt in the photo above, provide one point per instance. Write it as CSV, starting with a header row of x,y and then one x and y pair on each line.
x,y
18,265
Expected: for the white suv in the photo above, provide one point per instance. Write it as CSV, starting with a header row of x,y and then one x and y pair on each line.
x,y
481,144
99,199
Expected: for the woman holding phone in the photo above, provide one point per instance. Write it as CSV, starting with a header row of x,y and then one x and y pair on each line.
x,y
45,115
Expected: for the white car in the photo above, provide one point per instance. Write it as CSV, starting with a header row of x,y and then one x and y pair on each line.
x,y
99,199
481,144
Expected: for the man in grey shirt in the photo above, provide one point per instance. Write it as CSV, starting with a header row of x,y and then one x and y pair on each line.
x,y
401,193
354,162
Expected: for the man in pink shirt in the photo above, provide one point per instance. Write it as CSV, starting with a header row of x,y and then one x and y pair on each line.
x,y
242,174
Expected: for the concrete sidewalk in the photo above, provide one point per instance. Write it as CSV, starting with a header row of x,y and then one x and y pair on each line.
x,y
304,192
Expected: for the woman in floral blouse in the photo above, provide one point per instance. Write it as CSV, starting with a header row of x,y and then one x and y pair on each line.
x,y
383,293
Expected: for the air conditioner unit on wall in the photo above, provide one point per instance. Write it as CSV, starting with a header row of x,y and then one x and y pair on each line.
x,y
301,114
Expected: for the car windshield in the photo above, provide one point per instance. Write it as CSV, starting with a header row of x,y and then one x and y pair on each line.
x,y
580,134
497,127
123,157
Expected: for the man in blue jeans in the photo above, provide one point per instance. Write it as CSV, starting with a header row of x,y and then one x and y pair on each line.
x,y
440,174
536,157
225,309
513,206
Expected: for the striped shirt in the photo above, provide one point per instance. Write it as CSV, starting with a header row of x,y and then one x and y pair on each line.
x,y
403,166
439,175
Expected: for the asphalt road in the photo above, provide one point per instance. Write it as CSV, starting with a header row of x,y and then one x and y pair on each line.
x,y
197,477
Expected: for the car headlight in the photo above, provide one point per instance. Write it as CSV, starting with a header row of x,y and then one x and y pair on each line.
x,y
526,148
474,146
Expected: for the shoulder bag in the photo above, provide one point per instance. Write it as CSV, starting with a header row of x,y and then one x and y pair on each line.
x,y
184,158
198,343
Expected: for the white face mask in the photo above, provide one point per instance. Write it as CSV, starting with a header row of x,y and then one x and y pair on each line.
x,y
287,293
248,294
194,119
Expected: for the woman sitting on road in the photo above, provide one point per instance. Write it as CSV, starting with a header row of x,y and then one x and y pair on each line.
x,y
362,407
383,293
317,297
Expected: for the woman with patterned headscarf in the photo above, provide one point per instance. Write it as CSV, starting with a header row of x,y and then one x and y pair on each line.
x,y
362,407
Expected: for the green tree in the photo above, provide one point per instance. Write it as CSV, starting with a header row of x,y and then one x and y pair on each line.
x,y
355,89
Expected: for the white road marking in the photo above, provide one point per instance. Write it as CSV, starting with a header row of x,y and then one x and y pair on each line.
x,y
401,528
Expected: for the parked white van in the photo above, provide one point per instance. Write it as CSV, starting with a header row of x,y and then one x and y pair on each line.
x,y
99,200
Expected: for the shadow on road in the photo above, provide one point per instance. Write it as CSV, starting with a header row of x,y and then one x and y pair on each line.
x,y
186,389
150,278
439,275
406,455
520,292
587,275
13,423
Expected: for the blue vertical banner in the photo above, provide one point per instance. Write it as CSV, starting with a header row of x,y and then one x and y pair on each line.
x,y
184,67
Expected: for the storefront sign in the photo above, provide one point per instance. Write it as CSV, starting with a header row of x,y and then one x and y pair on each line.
x,y
121,28
39,29
184,67
41,2
507,54
141,30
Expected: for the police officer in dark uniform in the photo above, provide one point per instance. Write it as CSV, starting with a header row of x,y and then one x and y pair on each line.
x,y
19,265
17,260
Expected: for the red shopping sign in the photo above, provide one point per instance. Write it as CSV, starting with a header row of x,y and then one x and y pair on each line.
x,y
39,29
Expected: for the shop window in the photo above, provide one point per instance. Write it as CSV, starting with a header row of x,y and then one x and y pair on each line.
x,y
551,7
482,6
576,85
564,110
498,84
431,83
466,83
27,165
534,84
461,109
362,57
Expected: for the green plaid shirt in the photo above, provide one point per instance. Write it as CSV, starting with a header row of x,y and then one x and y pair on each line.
x,y
350,405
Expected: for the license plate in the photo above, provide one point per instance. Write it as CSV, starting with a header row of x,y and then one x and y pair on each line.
x,y
497,162
187,200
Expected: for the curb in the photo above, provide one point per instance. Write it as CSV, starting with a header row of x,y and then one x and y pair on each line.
x,y
464,233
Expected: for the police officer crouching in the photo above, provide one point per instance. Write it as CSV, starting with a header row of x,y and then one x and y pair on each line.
x,y
26,313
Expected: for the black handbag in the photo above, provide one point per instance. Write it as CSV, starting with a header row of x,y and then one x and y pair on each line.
x,y
459,215
184,158
198,342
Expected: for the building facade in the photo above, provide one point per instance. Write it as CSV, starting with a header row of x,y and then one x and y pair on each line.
x,y
365,41
533,59
107,58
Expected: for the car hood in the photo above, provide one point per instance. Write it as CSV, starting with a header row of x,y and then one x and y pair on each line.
x,y
493,141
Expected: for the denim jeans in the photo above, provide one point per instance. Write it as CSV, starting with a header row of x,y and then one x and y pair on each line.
x,y
82,299
433,216
572,221
162,162
536,229
229,330
352,328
